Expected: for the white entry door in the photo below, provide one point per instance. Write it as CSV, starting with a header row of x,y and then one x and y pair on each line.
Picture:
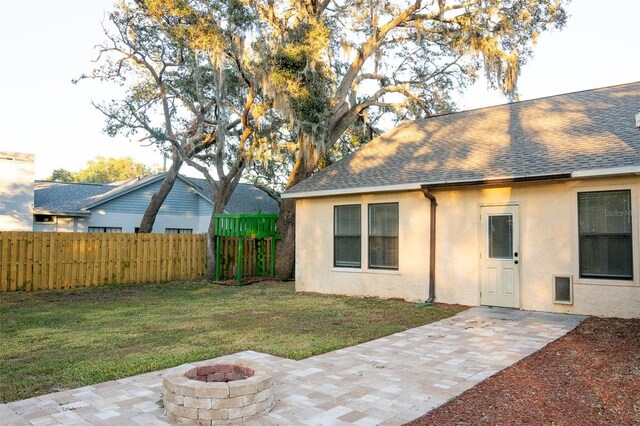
x,y
500,256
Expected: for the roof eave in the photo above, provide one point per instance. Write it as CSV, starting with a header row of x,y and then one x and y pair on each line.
x,y
195,187
593,173
62,213
498,180
611,171
352,191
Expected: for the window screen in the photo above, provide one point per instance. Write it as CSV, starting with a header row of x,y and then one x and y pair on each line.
x,y
605,242
346,236
383,236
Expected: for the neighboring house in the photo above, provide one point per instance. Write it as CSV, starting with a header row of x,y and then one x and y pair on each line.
x,y
118,207
537,208
16,191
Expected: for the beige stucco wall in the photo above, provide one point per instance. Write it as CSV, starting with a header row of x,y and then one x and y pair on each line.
x,y
314,249
549,235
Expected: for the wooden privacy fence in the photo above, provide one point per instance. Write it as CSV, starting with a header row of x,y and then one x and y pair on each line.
x,y
33,261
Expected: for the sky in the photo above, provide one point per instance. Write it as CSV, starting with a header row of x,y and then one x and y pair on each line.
x,y
44,44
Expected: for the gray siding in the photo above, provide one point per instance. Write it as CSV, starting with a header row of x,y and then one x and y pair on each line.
x,y
205,208
182,200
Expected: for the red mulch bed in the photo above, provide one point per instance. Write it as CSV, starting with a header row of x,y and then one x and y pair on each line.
x,y
591,376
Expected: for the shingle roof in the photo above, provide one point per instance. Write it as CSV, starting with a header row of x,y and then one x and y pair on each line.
x,y
579,131
245,199
77,198
59,197
120,188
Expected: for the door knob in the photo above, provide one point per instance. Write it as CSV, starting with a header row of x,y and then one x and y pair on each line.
x,y
515,261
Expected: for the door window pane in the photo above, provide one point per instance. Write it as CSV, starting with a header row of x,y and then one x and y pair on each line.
x,y
383,236
605,243
346,236
501,236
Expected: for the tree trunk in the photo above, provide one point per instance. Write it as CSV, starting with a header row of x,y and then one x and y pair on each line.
x,y
286,226
149,217
286,246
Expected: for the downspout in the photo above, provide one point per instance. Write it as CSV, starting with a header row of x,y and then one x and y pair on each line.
x,y
432,246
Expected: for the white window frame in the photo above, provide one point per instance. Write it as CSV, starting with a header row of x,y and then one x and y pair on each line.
x,y
369,236
635,235
335,207
364,236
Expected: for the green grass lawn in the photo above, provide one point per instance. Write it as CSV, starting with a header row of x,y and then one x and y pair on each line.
x,y
59,340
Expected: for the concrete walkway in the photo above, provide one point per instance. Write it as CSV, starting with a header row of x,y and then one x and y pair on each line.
x,y
387,381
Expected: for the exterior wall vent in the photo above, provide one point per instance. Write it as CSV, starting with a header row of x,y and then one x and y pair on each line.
x,y
563,289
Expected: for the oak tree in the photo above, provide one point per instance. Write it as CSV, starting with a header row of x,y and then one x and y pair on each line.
x,y
328,66
186,96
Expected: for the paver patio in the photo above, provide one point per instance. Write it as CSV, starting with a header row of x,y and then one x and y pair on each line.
x,y
387,381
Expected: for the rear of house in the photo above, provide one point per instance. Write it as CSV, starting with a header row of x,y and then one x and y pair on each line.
x,y
534,205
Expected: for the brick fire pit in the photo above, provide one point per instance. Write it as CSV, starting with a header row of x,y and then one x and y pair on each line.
x,y
219,393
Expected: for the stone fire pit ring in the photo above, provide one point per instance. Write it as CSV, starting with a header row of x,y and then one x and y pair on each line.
x,y
219,393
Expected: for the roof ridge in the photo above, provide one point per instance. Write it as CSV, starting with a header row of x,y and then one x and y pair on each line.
x,y
120,189
71,183
407,123
508,104
584,130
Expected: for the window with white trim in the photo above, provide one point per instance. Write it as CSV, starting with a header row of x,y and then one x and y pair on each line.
x,y
105,229
44,218
346,236
178,231
605,239
383,236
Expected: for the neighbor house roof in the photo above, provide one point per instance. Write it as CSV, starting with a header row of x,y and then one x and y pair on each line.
x,y
591,132
245,199
77,199
118,189
66,198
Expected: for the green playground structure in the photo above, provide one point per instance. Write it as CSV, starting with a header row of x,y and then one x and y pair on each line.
x,y
245,245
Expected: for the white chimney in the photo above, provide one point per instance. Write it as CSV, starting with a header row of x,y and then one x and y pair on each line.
x,y
638,120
